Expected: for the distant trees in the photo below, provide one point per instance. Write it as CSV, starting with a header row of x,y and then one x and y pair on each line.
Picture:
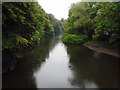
x,y
56,24
99,21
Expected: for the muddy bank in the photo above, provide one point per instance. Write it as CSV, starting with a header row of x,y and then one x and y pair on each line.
x,y
102,49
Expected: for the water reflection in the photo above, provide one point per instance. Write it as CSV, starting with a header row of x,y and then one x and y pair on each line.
x,y
55,73
92,69
54,65
22,76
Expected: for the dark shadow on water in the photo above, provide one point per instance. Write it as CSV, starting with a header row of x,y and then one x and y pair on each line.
x,y
22,76
89,69
92,69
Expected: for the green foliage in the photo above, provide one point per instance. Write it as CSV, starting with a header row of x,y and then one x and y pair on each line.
x,y
78,25
36,36
24,24
56,24
106,19
73,38
78,18
14,42
21,40
97,20
28,21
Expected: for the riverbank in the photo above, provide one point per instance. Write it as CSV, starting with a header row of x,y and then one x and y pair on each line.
x,y
103,47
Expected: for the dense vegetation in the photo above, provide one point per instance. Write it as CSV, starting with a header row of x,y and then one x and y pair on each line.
x,y
98,21
24,24
56,24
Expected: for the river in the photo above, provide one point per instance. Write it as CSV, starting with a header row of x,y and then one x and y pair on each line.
x,y
53,64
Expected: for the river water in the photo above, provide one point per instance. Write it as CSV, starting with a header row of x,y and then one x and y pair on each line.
x,y
53,64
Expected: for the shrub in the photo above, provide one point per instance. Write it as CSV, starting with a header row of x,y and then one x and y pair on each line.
x,y
73,38
22,40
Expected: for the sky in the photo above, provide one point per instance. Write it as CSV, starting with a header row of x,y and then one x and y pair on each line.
x,y
59,8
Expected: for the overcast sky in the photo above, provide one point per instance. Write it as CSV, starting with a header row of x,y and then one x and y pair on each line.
x,y
59,8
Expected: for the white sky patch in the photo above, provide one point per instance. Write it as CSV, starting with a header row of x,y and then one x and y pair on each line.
x,y
59,8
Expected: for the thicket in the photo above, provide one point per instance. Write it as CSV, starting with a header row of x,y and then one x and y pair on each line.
x,y
96,20
24,24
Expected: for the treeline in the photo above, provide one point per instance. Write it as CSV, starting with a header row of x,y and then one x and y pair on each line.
x,y
93,21
24,24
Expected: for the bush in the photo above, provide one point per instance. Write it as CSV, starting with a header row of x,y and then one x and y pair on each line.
x,y
73,38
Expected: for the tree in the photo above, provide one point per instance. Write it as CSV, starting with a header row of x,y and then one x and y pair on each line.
x,y
107,21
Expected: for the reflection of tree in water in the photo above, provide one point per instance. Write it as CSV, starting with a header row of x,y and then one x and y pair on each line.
x,y
89,71
41,52
22,76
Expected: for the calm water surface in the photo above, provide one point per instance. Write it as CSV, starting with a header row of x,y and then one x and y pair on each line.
x,y
54,65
